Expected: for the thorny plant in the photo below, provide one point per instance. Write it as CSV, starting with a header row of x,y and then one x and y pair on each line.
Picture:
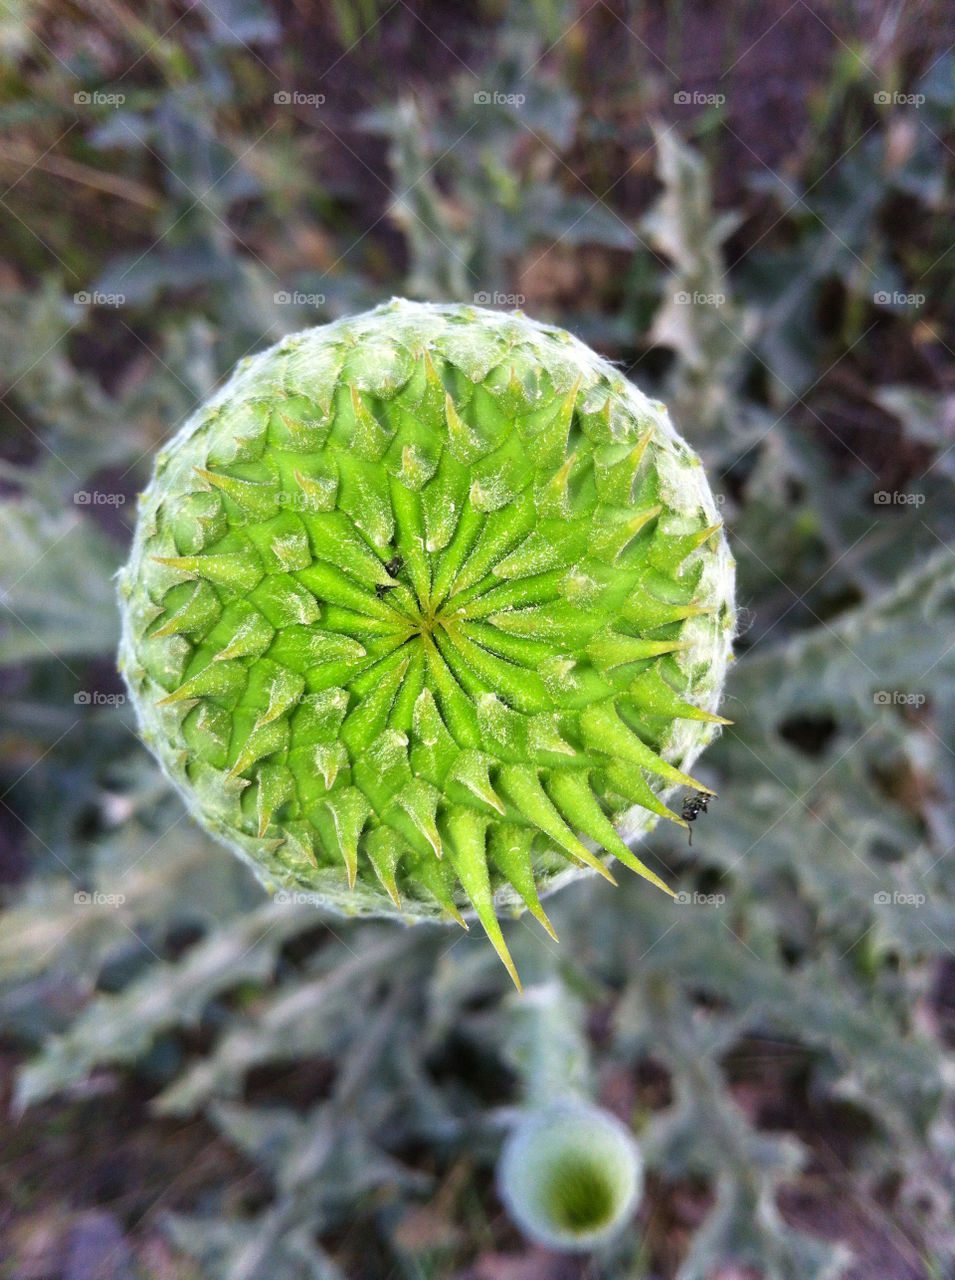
x,y
777,1038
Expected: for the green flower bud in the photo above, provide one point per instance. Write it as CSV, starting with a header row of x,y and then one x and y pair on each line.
x,y
427,611
570,1176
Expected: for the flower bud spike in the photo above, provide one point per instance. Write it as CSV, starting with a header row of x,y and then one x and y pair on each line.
x,y
216,680
467,830
603,729
199,610
575,800
470,770
439,880
349,810
386,849
274,788
261,742
522,787
238,570
255,501
420,802
615,479
510,849
251,637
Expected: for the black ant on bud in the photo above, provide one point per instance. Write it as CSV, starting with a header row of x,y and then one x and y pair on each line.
x,y
392,567
694,804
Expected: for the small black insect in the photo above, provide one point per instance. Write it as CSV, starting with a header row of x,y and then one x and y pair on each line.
x,y
382,589
694,804
394,566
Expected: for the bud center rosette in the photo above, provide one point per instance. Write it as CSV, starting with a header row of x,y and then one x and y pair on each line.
x,y
427,611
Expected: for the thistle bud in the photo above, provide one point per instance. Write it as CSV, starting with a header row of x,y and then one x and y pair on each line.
x,y
427,611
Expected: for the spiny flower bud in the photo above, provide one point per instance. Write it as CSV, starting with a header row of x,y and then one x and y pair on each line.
x,y
427,610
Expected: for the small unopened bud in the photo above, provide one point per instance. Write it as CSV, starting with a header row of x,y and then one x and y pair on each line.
x,y
570,1175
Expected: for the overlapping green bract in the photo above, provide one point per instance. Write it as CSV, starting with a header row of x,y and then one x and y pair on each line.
x,y
427,609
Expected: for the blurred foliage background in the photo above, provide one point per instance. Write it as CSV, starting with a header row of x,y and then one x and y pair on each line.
x,y
749,207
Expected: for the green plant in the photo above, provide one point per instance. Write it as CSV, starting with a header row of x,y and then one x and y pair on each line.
x,y
419,603
277,1092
